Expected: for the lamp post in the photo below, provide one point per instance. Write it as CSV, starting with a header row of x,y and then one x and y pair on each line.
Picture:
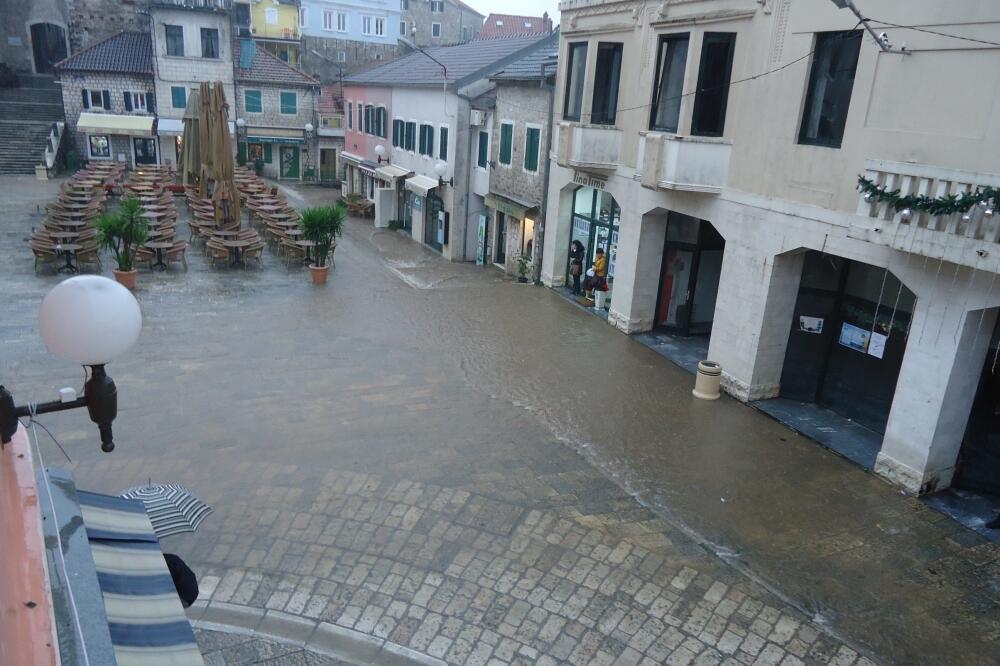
x,y
241,128
379,153
90,320
441,169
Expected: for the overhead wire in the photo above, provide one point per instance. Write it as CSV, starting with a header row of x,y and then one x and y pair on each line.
x,y
933,32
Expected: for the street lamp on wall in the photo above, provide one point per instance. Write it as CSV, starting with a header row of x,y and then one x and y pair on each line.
x,y
309,130
441,169
90,320
380,154
241,128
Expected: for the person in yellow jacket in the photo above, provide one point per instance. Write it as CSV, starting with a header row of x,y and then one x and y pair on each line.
x,y
600,273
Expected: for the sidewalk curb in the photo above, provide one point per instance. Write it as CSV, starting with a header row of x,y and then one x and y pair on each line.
x,y
318,637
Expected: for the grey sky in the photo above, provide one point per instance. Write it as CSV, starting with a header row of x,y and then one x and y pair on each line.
x,y
523,7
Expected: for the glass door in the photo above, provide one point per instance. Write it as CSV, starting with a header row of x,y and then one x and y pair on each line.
x,y
673,311
145,150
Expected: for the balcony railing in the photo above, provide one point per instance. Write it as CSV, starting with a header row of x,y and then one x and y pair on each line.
x,y
588,147
204,5
969,239
688,164
332,121
274,32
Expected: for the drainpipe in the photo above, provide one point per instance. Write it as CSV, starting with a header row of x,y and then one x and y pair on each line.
x,y
540,228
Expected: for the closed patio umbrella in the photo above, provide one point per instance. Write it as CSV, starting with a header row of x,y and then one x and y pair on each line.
x,y
217,154
191,140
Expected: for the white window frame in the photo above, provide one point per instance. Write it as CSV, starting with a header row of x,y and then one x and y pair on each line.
x,y
513,126
328,20
282,92
138,101
437,6
367,24
380,26
109,156
433,26
341,56
271,15
343,18
402,28
304,16
524,149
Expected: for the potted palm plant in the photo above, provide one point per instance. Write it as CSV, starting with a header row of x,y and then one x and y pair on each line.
x,y
122,232
523,264
322,225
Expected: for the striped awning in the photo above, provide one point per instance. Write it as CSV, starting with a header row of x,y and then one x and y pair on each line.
x,y
145,616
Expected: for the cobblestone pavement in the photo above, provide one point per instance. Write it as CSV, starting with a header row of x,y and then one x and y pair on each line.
x,y
221,648
376,462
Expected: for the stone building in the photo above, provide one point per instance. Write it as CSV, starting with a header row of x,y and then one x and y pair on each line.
x,y
439,22
36,35
109,100
93,20
516,163
339,39
192,43
720,177
275,111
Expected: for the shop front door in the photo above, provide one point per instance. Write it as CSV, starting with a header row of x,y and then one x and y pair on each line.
x,y
500,251
145,150
689,276
327,165
289,162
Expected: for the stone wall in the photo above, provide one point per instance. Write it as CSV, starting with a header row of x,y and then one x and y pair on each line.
x,y
15,41
418,17
357,56
94,20
270,115
521,104
116,84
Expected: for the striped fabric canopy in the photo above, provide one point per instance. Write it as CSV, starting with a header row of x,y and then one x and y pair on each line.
x,y
147,622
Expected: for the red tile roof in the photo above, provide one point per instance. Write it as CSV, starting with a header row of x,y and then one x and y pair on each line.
x,y
513,25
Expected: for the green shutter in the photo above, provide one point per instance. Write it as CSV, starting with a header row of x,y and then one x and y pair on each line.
x,y
531,149
289,103
267,153
484,149
395,134
241,153
252,101
443,147
178,97
506,143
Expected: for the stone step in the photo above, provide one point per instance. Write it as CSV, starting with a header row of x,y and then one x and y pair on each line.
x,y
39,95
12,110
22,145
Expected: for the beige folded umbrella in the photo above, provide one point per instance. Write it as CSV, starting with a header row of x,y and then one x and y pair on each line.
x,y
190,165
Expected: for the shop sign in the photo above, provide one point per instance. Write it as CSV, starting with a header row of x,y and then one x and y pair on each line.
x,y
418,203
589,180
506,207
274,139
811,324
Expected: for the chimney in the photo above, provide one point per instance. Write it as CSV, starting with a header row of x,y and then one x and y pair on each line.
x,y
546,21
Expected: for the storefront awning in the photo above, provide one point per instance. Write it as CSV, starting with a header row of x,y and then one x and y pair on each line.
x,y
421,184
391,172
175,126
271,135
350,157
107,123
508,206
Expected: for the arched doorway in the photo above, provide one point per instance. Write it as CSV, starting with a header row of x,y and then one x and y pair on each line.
x,y
689,276
596,216
48,46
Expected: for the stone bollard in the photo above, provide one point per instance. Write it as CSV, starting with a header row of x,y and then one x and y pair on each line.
x,y
708,380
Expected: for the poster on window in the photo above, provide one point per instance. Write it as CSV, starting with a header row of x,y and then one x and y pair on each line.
x,y
811,324
876,346
854,337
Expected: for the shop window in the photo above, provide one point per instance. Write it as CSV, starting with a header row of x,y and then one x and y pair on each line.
x,y
99,145
209,43
831,81
607,76
252,101
289,103
506,143
532,141
427,140
484,149
178,97
575,68
255,152
175,39
669,88
443,144
709,116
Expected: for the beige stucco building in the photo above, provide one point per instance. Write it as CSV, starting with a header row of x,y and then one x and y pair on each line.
x,y
712,149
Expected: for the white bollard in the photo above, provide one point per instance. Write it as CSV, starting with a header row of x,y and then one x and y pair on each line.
x,y
708,380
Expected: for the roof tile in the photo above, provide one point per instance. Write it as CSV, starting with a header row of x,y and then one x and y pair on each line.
x,y
123,52
514,25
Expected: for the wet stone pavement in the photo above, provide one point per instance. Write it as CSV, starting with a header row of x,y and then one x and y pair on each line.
x,y
473,470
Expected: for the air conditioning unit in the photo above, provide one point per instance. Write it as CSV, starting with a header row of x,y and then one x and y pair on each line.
x,y
476,117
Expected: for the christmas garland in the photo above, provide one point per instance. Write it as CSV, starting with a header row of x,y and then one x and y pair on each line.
x,y
946,205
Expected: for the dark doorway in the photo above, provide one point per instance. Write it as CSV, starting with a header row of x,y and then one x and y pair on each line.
x,y
145,150
689,276
978,466
48,45
327,165
848,335
500,251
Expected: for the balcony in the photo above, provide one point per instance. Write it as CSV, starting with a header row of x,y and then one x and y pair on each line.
x,y
201,5
683,163
969,239
331,125
266,31
588,147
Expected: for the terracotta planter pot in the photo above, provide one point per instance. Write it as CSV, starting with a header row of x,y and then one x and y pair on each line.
x,y
319,274
127,278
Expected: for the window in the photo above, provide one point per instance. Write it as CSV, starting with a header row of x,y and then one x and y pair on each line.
x,y
366,24
465,34
669,86
427,140
252,102
607,76
209,43
99,145
506,143
135,101
369,119
303,17
437,7
271,15
98,99
484,150
709,116
435,29
383,119
350,115
410,138
361,117
341,56
575,67
379,27
341,22
532,144
327,20
397,133
175,40
402,28
178,97
443,144
255,152
831,80
405,5
289,103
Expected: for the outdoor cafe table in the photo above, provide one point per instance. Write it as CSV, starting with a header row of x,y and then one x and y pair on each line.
x,y
159,247
224,233
64,235
154,217
68,224
67,249
235,246
308,245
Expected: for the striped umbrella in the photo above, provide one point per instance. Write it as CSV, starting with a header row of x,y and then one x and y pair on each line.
x,y
171,509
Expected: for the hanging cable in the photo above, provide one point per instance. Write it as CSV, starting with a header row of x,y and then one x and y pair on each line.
x,y
934,32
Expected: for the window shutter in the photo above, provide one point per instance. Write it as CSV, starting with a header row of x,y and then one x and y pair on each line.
x,y
86,99
531,150
443,148
128,101
506,143
395,133
150,103
106,98
484,143
267,153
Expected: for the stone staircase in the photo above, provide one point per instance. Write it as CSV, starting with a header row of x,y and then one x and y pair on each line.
x,y
26,114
